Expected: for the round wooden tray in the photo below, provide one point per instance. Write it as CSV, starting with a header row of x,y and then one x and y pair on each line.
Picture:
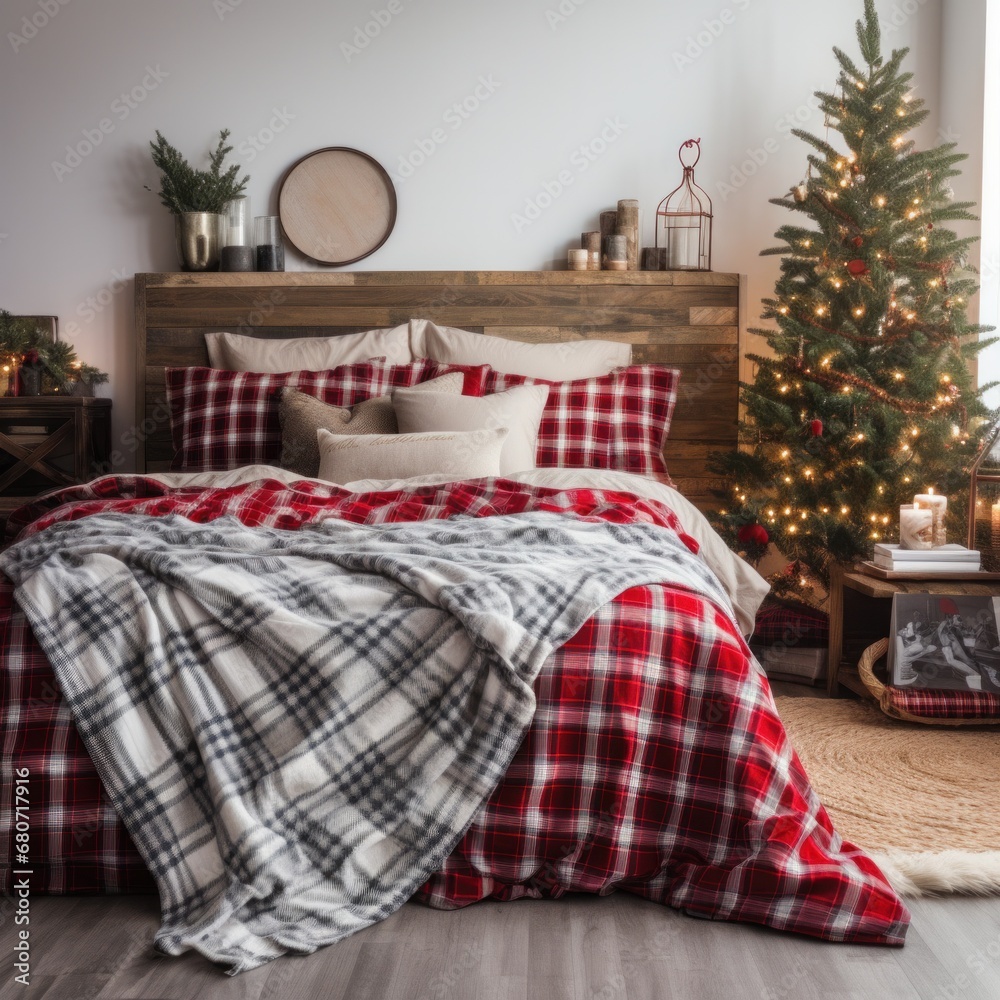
x,y
337,205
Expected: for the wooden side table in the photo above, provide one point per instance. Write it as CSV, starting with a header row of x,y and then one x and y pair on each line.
x,y
861,614
50,441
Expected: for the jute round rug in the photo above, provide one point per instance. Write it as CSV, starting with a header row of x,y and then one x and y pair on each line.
x,y
923,802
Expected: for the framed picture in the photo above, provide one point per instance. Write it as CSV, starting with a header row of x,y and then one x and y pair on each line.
x,y
945,642
47,325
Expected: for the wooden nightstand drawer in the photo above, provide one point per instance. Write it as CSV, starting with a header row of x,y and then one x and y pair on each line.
x,y
50,441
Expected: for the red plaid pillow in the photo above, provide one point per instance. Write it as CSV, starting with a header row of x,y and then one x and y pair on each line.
x,y
223,420
615,421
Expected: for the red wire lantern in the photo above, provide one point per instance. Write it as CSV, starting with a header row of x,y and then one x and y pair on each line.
x,y
684,219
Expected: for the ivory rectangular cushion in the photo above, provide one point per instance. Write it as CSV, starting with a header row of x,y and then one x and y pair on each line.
x,y
518,409
238,353
346,458
555,362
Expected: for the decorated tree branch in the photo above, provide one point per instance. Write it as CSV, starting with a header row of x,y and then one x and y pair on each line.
x,y
867,395
22,343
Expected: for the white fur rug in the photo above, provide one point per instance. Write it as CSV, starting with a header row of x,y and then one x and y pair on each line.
x,y
923,802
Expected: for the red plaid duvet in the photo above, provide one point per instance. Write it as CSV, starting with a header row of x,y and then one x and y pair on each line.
x,y
655,763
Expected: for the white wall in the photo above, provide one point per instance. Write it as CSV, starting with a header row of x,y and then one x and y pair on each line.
x,y
968,117
559,78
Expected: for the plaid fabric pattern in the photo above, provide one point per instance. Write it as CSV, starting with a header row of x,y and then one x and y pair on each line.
x,y
929,704
221,419
297,727
617,421
707,809
791,624
74,831
654,696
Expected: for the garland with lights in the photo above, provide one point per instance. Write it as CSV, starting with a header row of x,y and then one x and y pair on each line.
x,y
23,344
866,395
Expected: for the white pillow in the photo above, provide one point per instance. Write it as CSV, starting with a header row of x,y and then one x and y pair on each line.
x,y
237,353
519,409
344,458
555,362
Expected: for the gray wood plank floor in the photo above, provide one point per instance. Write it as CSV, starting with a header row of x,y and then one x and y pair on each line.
x,y
617,947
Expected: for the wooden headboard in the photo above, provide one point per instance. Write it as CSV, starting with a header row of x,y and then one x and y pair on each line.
x,y
688,320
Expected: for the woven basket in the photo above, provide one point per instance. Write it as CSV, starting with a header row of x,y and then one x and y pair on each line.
x,y
883,694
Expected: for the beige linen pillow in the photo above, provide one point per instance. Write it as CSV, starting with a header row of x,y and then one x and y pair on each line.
x,y
345,458
556,362
301,415
519,409
237,353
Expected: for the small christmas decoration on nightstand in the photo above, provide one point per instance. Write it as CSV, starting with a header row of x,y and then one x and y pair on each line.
x,y
31,363
866,398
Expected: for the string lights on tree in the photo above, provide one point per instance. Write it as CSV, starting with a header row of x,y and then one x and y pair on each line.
x,y
868,376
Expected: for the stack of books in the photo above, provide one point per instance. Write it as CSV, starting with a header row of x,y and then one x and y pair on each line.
x,y
943,559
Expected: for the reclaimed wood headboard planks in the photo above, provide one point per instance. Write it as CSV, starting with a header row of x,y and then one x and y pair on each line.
x,y
688,320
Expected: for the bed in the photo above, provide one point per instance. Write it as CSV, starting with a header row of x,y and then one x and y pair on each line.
x,y
642,752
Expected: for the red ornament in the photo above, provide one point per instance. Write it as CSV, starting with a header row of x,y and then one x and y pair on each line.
x,y
858,268
816,428
858,242
753,534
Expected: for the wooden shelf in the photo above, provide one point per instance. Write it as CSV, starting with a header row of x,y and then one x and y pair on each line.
x,y
861,612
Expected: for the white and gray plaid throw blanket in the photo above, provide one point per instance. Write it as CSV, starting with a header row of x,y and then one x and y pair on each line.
x,y
298,727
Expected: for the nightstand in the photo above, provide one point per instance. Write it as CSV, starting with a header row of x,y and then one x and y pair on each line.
x,y
50,441
861,614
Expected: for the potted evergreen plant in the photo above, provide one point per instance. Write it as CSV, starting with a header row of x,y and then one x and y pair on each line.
x,y
196,199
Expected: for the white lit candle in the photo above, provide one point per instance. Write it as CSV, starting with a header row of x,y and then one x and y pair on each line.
x,y
938,506
916,528
995,528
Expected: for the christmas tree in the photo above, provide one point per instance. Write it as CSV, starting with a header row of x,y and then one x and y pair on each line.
x,y
868,397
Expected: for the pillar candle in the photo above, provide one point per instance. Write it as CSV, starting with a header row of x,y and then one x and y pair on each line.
x,y
938,506
916,528
995,529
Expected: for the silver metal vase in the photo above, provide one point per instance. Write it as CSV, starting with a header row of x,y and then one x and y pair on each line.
x,y
199,240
